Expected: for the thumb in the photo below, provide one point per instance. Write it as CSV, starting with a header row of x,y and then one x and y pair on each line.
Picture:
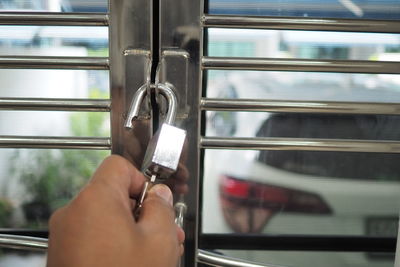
x,y
157,210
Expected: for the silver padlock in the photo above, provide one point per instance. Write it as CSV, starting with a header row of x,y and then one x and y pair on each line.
x,y
165,147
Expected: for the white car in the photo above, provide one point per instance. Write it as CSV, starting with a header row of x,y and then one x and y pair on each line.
x,y
302,192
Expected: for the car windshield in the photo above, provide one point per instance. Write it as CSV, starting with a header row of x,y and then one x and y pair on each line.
x,y
362,166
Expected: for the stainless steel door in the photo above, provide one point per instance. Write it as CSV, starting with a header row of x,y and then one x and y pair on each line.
x,y
166,41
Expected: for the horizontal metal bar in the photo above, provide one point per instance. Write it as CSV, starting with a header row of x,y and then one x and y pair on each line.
x,y
23,242
55,104
300,144
297,242
307,65
217,260
55,142
45,62
299,23
265,105
25,232
41,244
53,19
249,242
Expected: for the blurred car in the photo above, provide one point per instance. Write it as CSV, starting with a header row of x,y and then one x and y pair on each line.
x,y
303,192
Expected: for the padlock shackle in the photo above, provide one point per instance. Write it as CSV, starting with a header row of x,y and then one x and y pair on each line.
x,y
170,96
137,100
163,89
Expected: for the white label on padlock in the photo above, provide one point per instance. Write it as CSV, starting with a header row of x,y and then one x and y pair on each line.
x,y
170,144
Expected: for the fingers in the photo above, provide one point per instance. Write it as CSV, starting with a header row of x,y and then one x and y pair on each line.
x,y
178,181
117,173
158,220
181,234
157,210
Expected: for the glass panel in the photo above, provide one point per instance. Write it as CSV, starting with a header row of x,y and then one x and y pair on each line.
x,y
312,193
54,41
36,182
55,123
299,192
304,86
18,258
303,125
54,83
356,9
314,258
55,6
303,44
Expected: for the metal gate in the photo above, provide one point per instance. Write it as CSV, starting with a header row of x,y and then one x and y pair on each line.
x,y
166,41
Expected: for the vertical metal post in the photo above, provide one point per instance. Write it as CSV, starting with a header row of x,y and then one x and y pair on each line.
x,y
180,46
130,37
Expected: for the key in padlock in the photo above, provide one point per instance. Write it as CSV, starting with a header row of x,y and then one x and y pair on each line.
x,y
165,148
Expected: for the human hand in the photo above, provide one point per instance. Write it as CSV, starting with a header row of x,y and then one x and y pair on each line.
x,y
98,228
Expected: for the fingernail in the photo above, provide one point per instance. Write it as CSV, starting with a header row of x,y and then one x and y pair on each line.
x,y
164,192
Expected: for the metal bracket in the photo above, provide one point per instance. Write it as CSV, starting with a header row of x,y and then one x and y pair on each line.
x,y
173,69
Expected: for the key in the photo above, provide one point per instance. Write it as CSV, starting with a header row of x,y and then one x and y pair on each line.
x,y
147,185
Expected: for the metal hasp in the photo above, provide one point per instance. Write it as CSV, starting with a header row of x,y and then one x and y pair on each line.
x,y
130,36
180,47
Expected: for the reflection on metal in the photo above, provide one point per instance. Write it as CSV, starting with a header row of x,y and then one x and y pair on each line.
x,y
315,65
180,210
55,104
41,244
287,242
102,143
130,37
23,242
172,101
137,101
163,89
301,144
180,49
213,259
298,23
45,62
53,19
299,106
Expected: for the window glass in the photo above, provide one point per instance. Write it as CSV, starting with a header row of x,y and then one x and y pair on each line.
x,y
303,192
55,6
18,258
304,86
315,258
356,9
55,123
54,41
35,182
303,44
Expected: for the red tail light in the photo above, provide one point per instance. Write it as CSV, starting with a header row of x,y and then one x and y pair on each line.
x,y
247,206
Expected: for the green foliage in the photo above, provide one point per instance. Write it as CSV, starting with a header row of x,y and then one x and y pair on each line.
x,y
52,177
5,212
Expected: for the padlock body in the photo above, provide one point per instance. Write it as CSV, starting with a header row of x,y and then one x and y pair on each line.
x,y
164,151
